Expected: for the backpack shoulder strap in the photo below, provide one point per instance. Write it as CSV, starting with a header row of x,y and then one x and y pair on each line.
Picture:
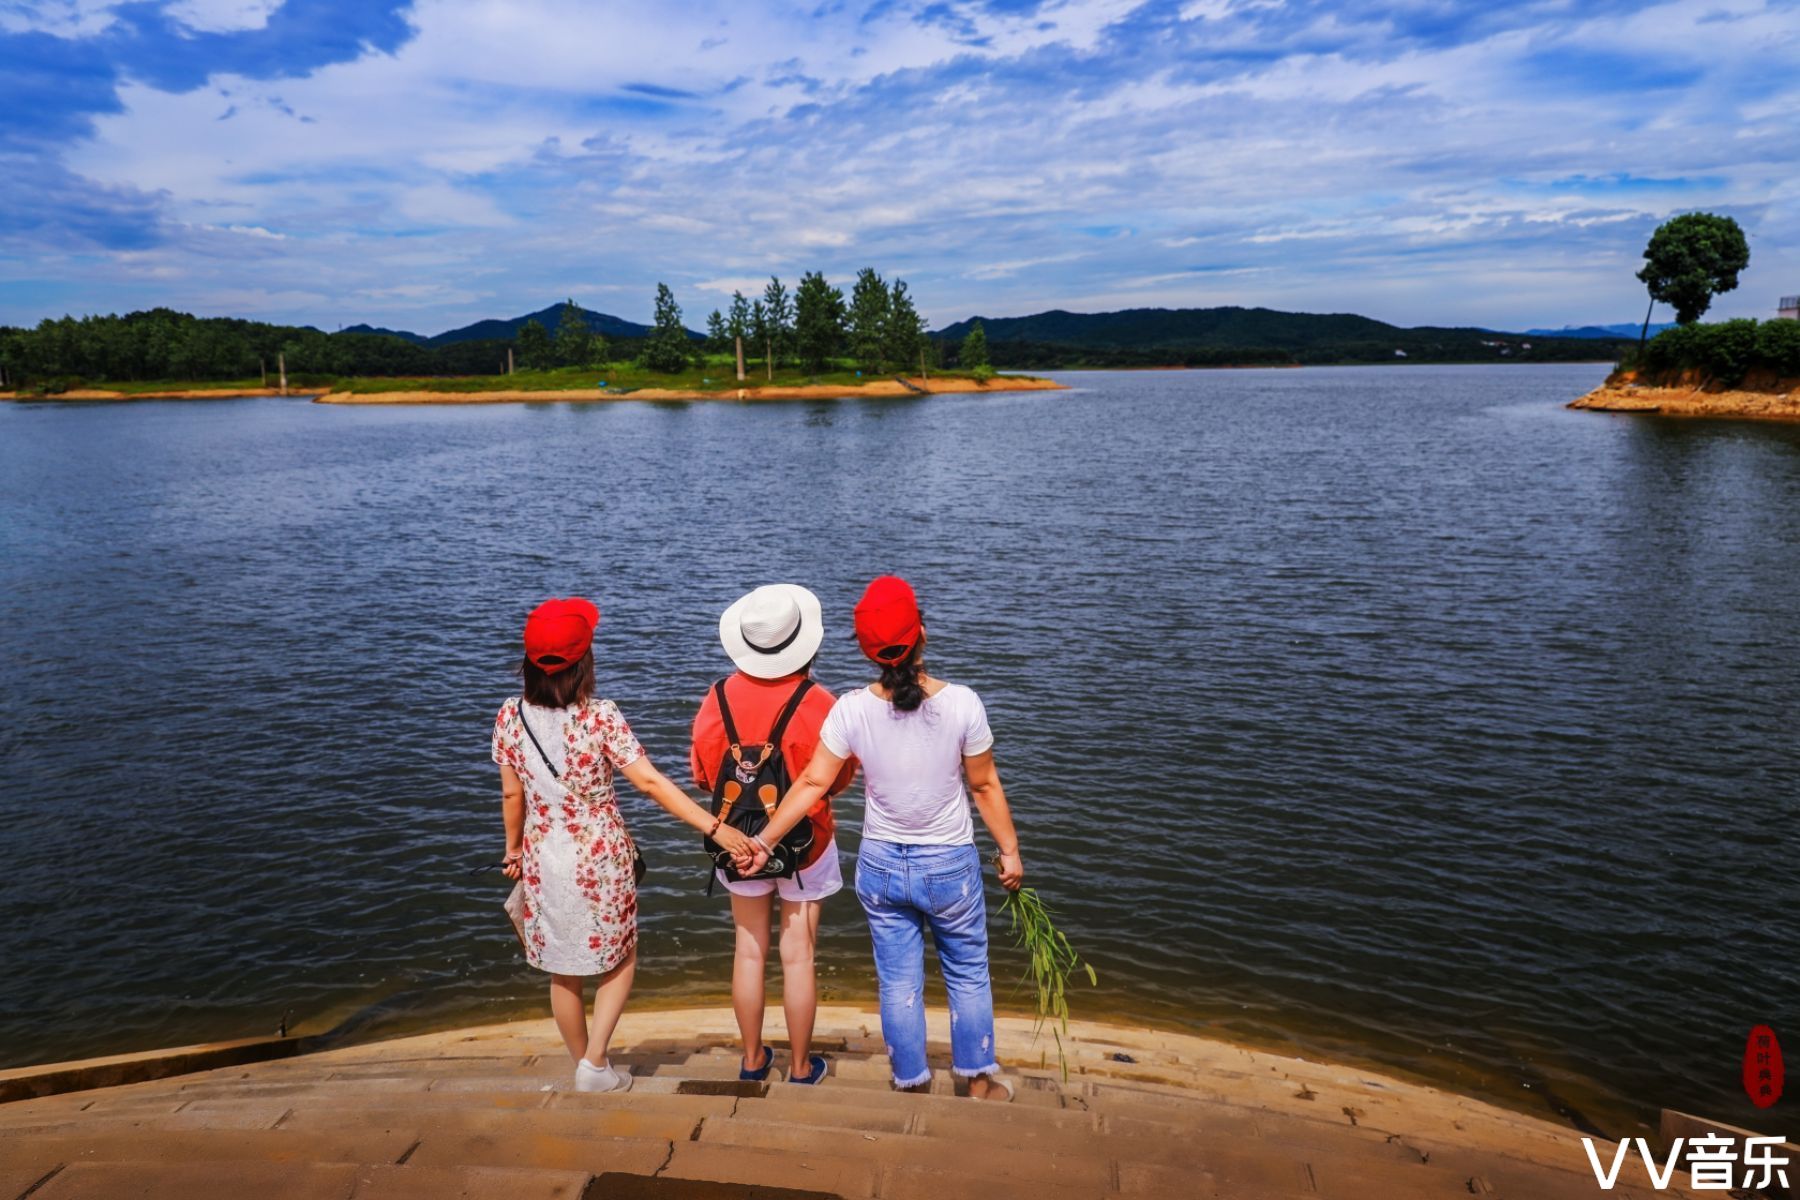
x,y
787,713
526,725
731,733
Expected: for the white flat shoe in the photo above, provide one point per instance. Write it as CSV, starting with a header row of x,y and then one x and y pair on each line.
x,y
1005,1085
589,1078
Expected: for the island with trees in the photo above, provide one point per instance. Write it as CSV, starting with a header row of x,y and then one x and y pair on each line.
x,y
810,341
1740,368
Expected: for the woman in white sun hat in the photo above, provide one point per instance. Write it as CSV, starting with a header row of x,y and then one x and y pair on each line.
x,y
773,635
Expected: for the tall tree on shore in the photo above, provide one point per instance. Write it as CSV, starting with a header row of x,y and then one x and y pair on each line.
x,y
535,350
868,318
667,348
575,342
761,333
903,333
818,321
716,341
1691,259
738,325
974,353
778,307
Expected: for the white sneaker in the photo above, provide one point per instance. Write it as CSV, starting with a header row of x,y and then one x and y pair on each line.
x,y
589,1078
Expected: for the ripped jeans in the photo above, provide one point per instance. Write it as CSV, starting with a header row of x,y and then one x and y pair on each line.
x,y
904,889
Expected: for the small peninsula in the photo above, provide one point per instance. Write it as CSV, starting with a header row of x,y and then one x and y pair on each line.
x,y
1743,369
1623,392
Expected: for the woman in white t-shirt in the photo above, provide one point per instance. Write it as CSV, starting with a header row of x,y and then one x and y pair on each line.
x,y
925,750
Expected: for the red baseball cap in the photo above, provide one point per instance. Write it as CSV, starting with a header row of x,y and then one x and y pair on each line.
x,y
559,632
888,624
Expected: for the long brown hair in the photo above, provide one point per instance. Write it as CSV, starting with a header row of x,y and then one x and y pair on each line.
x,y
574,684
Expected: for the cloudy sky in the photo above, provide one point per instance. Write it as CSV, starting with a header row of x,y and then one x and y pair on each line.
x,y
424,164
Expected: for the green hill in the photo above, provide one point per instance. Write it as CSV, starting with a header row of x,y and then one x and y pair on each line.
x,y
1249,337
496,329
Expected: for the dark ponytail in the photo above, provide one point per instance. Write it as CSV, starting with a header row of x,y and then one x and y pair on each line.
x,y
901,680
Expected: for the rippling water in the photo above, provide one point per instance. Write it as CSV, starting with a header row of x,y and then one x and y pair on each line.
x,y
1391,713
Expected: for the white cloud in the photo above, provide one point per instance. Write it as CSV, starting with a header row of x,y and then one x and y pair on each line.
x,y
64,18
521,146
223,16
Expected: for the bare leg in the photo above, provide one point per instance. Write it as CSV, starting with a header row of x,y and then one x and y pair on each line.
x,y
570,1013
609,1001
799,986
751,915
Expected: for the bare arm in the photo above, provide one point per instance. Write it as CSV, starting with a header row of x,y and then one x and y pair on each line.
x,y
990,802
805,792
678,804
512,812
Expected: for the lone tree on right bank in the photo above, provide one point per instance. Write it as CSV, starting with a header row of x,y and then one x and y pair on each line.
x,y
1691,259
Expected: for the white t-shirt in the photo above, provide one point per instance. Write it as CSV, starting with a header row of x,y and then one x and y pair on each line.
x,y
912,762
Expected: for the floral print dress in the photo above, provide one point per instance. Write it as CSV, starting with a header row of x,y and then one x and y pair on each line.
x,y
580,900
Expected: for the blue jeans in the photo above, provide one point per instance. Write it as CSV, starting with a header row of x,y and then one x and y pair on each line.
x,y
904,889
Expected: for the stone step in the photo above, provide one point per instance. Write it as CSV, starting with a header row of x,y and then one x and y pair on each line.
x,y
895,1149
412,1182
822,1108
633,1122
753,1169
928,1181
223,1145
952,1109
18,1181
147,1180
232,1115
541,1151
263,1090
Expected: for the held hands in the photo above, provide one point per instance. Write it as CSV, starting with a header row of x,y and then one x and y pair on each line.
x,y
1010,868
742,849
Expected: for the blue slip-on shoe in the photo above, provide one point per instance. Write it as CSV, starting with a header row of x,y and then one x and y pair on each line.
x,y
761,1073
817,1063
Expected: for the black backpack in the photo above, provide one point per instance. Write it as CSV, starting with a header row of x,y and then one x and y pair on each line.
x,y
750,782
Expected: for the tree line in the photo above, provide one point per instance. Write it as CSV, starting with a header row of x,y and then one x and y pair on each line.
x,y
813,327
161,343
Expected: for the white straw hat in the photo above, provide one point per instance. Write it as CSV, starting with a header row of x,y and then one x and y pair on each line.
x,y
772,632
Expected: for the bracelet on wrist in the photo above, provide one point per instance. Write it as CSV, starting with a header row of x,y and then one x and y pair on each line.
x,y
717,821
764,846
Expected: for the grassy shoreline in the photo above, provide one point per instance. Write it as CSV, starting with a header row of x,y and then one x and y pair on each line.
x,y
623,383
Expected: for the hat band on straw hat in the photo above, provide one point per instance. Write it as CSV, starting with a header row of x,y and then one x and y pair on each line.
x,y
783,644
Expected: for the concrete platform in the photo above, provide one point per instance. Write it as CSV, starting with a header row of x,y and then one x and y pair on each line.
x,y
490,1112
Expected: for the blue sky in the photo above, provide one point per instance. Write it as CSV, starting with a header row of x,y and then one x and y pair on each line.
x,y
425,164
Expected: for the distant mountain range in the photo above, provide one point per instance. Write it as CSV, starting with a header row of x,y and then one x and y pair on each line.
x,y
495,329
1248,336
1164,336
1627,330
1173,327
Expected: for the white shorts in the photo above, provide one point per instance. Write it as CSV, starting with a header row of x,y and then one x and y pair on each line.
x,y
816,882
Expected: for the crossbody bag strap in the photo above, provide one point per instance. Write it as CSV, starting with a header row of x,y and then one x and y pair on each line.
x,y
535,742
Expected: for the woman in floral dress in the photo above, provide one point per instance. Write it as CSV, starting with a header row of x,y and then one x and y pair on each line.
x,y
557,748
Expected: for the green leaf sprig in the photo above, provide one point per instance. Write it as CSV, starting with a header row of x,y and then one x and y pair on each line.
x,y
1052,964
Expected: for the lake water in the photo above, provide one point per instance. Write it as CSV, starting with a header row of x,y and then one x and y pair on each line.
x,y
1389,713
